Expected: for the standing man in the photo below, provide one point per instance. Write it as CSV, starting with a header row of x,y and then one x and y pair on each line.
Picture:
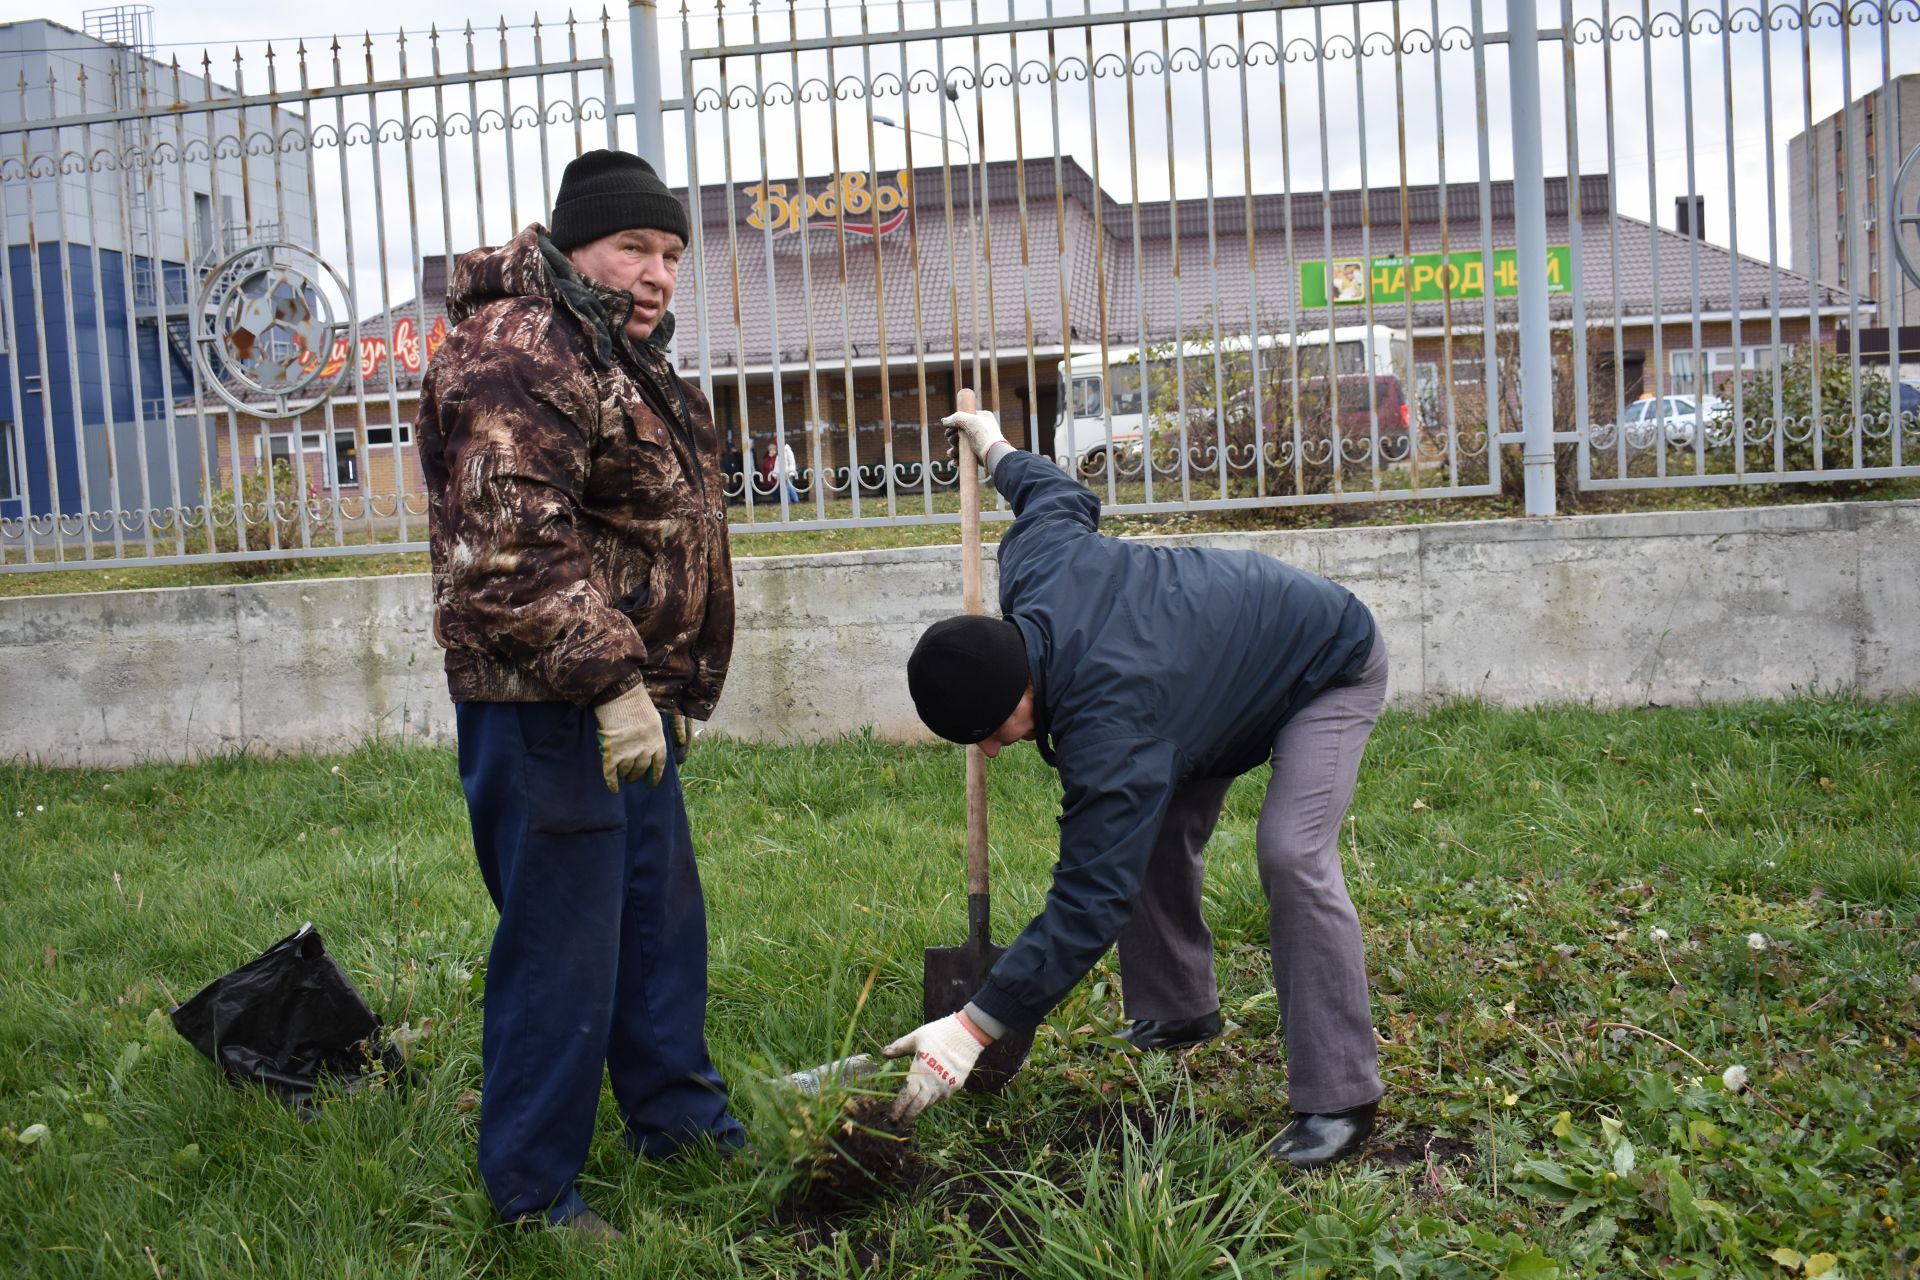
x,y
1151,677
584,594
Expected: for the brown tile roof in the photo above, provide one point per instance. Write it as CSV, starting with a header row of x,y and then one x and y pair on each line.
x,y
1148,278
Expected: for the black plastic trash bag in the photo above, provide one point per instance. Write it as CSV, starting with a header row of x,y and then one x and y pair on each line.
x,y
286,1020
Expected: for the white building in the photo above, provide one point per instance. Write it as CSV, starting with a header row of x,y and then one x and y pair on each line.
x,y
1842,172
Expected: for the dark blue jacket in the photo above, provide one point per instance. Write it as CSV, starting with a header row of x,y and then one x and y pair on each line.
x,y
1150,665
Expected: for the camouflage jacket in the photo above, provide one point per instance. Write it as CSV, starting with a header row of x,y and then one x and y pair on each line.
x,y
579,532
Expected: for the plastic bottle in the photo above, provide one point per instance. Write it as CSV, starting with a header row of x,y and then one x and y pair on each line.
x,y
861,1064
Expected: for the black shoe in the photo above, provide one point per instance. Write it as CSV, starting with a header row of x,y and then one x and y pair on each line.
x,y
1312,1141
1148,1034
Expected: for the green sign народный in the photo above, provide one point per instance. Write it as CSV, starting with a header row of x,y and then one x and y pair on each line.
x,y
1425,277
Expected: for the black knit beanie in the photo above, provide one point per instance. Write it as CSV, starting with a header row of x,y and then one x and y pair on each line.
x,y
967,674
603,192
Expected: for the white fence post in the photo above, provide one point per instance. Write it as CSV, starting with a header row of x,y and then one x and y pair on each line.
x,y
1530,243
643,35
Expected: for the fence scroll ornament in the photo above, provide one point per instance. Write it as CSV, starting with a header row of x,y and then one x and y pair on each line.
x,y
265,329
1906,216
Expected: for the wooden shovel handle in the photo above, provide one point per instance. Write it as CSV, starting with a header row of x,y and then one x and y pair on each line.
x,y
970,595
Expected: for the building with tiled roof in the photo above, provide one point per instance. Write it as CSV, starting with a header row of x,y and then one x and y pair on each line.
x,y
1044,263
1052,254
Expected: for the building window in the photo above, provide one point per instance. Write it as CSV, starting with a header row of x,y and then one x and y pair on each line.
x,y
346,460
9,464
1469,371
383,434
269,451
1721,368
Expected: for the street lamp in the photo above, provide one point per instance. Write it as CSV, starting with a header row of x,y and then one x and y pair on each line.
x,y
973,220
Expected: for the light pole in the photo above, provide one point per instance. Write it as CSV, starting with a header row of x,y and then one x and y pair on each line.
x,y
973,220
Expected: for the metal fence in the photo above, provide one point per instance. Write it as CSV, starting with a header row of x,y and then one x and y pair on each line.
x,y
225,281
1211,256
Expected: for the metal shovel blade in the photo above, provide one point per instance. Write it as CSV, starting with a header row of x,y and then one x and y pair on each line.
x,y
953,975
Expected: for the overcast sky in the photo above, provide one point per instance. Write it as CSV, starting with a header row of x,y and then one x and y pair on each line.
x,y
185,26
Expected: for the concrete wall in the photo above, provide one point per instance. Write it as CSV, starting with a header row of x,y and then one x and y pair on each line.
x,y
1664,609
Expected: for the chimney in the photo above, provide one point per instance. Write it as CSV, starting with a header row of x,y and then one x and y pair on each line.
x,y
1690,216
434,276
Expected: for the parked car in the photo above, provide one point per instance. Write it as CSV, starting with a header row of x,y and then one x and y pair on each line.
x,y
1677,416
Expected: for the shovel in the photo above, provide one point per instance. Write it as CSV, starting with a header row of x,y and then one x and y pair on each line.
x,y
954,974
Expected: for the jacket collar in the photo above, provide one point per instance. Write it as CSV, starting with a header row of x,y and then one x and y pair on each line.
x,y
1037,654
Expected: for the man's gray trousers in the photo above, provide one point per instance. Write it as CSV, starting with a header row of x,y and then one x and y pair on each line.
x,y
1319,969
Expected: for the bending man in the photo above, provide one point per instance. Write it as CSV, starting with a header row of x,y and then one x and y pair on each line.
x,y
1151,677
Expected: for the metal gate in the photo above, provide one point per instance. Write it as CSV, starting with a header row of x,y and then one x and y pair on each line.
x,y
1239,255
1135,232
1758,340
226,280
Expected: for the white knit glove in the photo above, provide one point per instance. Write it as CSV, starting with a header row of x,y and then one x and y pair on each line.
x,y
943,1056
982,431
633,741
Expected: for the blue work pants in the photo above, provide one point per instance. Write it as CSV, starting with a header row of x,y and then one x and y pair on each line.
x,y
599,960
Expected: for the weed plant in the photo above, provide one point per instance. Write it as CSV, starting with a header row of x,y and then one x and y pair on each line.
x,y
1647,985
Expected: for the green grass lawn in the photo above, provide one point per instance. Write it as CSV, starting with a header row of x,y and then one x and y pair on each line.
x,y
1554,1065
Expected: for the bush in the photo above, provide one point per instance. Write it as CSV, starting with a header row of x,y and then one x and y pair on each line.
x,y
1832,446
271,512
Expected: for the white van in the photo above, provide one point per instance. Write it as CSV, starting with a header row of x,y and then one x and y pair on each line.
x,y
1095,418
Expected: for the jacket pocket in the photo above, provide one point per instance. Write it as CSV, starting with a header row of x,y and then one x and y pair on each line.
x,y
636,471
644,426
